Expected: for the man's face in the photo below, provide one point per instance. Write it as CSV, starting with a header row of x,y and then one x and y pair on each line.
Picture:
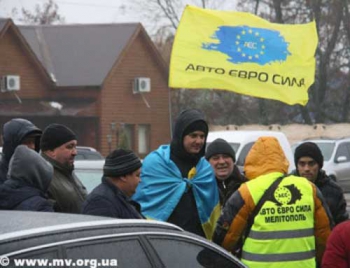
x,y
131,181
194,142
308,168
29,142
65,154
223,165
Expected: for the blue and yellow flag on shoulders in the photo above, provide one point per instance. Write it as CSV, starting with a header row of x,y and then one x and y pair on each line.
x,y
243,53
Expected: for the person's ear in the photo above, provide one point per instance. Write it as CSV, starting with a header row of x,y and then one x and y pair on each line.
x,y
123,178
51,153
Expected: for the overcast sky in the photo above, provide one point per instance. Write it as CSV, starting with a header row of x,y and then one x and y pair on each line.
x,y
79,11
97,11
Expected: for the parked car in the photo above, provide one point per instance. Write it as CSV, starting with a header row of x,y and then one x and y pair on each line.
x,y
84,153
242,141
89,172
102,242
88,153
336,156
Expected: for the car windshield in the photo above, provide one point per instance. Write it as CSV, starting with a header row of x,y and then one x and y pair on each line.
x,y
235,146
89,177
88,155
243,154
326,148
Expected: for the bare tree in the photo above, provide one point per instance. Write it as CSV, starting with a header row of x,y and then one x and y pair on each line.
x,y
45,14
164,15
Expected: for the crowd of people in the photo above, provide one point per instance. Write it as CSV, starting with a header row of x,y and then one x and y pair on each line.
x,y
263,215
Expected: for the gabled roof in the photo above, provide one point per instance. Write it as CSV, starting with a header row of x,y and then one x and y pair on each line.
x,y
79,55
3,22
6,24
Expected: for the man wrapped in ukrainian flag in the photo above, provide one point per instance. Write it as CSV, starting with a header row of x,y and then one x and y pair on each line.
x,y
177,183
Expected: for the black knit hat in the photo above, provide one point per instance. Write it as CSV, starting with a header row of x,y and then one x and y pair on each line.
x,y
121,162
309,149
220,146
199,125
55,135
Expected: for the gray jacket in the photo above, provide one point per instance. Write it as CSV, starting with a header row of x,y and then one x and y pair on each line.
x,y
29,177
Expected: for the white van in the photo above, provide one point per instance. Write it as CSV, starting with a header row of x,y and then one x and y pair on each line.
x,y
241,142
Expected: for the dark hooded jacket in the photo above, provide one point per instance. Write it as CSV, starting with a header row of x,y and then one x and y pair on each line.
x,y
13,134
186,214
333,194
109,201
29,178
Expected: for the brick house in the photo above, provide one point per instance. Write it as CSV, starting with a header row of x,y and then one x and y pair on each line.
x,y
85,77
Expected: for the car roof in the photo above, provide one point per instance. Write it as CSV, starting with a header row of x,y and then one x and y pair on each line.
x,y
241,135
25,231
323,140
19,223
89,164
86,148
38,228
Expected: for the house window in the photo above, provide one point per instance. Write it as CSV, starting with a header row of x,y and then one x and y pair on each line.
x,y
143,139
126,137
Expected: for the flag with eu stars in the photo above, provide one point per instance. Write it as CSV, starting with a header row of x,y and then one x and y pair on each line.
x,y
244,53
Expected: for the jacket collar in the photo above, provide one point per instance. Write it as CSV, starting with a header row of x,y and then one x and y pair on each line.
x,y
115,188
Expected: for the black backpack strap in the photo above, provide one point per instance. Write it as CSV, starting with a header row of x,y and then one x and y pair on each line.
x,y
267,195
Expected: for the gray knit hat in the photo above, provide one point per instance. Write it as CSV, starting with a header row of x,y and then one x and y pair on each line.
x,y
220,146
121,162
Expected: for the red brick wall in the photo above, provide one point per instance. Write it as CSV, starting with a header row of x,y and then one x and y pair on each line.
x,y
119,104
115,101
15,60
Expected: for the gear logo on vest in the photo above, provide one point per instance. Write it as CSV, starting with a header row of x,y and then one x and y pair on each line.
x,y
286,195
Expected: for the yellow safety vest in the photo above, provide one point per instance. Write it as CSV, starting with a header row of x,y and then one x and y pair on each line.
x,y
282,234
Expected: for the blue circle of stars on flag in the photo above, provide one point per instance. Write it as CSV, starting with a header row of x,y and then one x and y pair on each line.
x,y
244,44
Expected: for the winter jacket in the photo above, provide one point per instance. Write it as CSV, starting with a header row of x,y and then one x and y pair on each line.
x,y
337,254
185,213
66,189
184,175
230,185
334,196
13,134
108,200
29,178
162,186
264,164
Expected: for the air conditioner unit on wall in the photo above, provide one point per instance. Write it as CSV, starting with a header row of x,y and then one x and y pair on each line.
x,y
141,85
10,83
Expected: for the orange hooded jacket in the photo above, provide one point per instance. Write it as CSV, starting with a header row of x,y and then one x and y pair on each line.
x,y
265,157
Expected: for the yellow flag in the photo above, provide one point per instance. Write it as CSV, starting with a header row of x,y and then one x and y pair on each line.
x,y
243,53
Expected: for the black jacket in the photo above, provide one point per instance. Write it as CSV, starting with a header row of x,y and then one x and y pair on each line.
x,y
108,200
185,213
230,185
29,178
13,134
334,196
